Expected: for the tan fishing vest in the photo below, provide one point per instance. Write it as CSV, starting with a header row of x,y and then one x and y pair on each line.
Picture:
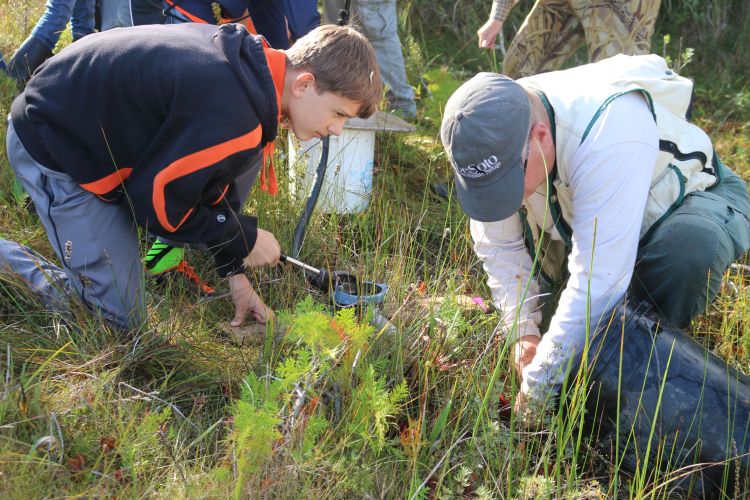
x,y
578,96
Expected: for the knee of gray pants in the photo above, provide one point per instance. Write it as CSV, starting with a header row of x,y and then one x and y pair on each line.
x,y
680,267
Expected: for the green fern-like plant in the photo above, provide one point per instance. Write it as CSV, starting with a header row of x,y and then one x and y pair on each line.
x,y
373,407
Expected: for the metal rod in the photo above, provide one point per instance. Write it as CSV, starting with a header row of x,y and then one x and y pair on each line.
x,y
306,267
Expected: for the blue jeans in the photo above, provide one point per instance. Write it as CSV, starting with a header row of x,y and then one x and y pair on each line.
x,y
379,23
56,15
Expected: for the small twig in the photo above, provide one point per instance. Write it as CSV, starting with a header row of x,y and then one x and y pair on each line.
x,y
492,476
152,395
7,373
165,443
297,408
439,464
53,418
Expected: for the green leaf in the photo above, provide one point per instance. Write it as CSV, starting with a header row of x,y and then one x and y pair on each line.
x,y
437,429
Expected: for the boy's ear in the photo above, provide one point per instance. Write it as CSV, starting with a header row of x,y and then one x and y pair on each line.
x,y
302,81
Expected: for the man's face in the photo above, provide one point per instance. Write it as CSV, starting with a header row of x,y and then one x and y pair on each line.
x,y
316,115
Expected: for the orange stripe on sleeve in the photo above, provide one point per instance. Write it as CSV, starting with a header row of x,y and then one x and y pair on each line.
x,y
108,183
192,163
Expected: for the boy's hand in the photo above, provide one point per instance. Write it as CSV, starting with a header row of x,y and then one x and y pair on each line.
x,y
246,300
266,251
524,351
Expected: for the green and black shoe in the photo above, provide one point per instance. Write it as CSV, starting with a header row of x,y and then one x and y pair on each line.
x,y
163,259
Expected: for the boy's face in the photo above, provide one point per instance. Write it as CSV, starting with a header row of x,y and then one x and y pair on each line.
x,y
316,115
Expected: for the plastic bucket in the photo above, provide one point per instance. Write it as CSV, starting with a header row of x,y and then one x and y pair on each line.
x,y
651,387
347,185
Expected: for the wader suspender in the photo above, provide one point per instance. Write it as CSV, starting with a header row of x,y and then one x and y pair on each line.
x,y
561,225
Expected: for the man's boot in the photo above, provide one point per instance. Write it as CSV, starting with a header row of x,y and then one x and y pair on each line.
x,y
29,56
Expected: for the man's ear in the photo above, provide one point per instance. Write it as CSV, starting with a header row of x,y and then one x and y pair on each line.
x,y
538,131
302,82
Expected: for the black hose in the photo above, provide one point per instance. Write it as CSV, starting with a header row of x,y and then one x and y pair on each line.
x,y
343,19
320,173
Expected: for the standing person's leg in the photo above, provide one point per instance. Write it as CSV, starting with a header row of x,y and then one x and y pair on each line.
x,y
617,27
83,19
548,36
331,10
269,20
379,23
147,12
56,15
116,14
680,265
302,16
103,267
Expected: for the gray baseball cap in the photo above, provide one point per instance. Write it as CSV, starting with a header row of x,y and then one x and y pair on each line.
x,y
484,130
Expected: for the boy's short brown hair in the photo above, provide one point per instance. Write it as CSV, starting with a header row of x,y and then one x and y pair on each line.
x,y
343,62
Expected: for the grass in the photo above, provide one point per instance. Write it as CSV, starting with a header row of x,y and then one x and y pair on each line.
x,y
333,409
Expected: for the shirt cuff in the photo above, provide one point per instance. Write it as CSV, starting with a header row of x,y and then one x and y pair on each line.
x,y
500,10
231,252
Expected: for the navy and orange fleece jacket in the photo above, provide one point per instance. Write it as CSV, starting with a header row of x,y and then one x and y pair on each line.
x,y
161,119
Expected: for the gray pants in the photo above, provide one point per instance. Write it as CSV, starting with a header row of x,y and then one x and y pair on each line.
x,y
378,21
96,242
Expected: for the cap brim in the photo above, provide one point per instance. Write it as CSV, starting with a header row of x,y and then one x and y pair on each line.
x,y
493,201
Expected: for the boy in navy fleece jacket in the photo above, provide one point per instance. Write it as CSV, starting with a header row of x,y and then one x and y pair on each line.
x,y
164,127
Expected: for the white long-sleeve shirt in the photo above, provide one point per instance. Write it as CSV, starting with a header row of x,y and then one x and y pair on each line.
x,y
609,179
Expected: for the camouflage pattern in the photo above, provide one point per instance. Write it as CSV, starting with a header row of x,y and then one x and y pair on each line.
x,y
554,29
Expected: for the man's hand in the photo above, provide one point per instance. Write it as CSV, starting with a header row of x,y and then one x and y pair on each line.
x,y
246,300
266,251
488,33
524,351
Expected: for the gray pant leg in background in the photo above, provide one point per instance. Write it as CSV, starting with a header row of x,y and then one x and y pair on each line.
x,y
680,266
46,280
96,242
116,14
378,21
